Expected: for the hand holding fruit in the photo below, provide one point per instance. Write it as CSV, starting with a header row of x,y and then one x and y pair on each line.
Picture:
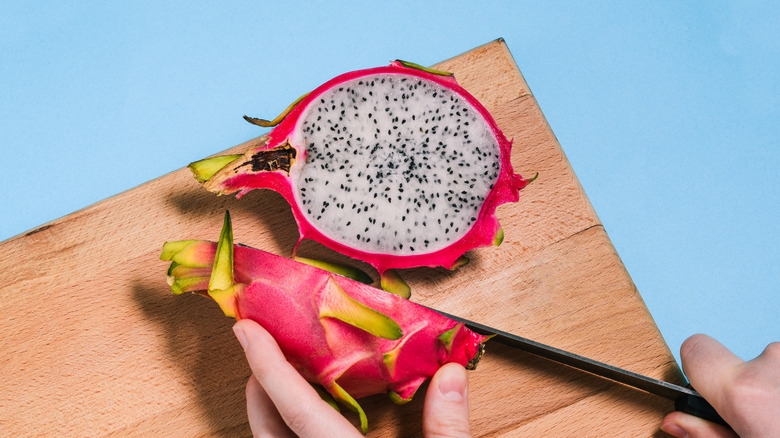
x,y
281,403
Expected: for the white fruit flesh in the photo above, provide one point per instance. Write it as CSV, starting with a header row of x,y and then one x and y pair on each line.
x,y
395,164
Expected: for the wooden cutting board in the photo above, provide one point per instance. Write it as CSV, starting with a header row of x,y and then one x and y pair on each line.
x,y
92,343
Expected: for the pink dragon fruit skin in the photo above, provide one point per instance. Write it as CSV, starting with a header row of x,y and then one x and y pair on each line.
x,y
349,337
288,142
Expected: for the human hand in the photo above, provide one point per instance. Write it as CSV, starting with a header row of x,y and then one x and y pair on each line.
x,y
280,403
745,394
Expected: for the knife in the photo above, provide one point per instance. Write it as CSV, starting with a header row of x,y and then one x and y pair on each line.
x,y
686,399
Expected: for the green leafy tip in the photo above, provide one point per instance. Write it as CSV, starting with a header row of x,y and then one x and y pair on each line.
x,y
391,282
499,237
204,169
432,71
343,396
335,303
448,337
222,272
345,271
461,261
271,123
221,285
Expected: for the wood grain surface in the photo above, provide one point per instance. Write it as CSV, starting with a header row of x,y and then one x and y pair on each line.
x,y
92,343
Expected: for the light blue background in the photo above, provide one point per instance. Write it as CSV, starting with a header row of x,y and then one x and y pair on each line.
x,y
668,112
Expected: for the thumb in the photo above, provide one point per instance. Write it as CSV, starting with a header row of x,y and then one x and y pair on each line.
x,y
681,425
446,409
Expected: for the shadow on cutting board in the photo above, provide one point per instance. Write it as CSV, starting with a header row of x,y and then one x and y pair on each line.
x,y
200,343
262,218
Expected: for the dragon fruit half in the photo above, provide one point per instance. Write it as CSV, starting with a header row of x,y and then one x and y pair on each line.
x,y
397,166
349,337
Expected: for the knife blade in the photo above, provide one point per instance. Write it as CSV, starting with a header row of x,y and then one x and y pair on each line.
x,y
686,399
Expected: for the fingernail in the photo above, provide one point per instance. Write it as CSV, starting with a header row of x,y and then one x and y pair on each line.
x,y
240,335
452,384
674,430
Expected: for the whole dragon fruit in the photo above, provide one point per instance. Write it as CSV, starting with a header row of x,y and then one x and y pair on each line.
x,y
397,166
349,337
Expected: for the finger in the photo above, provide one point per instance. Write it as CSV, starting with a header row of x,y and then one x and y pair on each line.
x,y
299,405
680,425
446,409
264,419
709,366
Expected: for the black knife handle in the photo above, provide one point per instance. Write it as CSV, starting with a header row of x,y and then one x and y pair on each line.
x,y
695,404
